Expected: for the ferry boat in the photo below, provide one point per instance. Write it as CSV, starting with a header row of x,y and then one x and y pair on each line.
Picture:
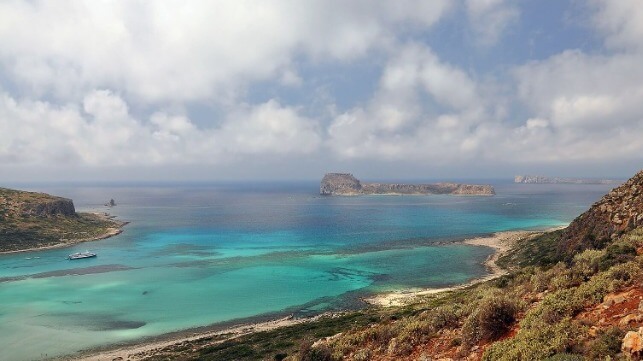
x,y
80,255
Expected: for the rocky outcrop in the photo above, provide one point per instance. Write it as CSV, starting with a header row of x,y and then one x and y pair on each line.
x,y
345,184
619,211
51,207
633,344
340,183
536,179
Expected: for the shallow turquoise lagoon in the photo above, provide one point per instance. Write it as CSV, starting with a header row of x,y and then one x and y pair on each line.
x,y
204,254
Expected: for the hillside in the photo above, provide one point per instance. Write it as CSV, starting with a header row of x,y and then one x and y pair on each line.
x,y
34,220
566,297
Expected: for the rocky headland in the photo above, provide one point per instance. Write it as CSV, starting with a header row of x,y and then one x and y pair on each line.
x,y
345,184
618,212
537,179
31,220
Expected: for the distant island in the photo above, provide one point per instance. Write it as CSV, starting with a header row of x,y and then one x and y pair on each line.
x,y
537,179
345,184
31,221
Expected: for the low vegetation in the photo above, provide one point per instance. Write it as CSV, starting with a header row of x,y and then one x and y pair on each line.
x,y
26,221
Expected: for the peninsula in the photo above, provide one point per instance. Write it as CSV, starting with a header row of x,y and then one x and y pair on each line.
x,y
537,179
345,184
31,221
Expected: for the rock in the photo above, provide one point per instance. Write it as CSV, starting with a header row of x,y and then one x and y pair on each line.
x,y
50,207
629,319
616,213
610,300
633,343
339,183
641,305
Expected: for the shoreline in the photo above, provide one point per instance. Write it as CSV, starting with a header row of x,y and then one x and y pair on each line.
x,y
156,344
501,242
115,230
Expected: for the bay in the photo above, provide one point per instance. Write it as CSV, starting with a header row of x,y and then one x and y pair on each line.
x,y
200,254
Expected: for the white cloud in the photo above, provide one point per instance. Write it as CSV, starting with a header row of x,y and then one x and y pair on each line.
x,y
173,51
58,58
621,22
490,18
107,134
397,125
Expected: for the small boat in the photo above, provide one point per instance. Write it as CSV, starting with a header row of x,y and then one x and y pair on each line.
x,y
81,255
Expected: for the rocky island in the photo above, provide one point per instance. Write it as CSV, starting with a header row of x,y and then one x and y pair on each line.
x,y
30,220
537,179
345,184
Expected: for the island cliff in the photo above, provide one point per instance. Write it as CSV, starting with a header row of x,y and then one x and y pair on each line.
x,y
345,184
31,220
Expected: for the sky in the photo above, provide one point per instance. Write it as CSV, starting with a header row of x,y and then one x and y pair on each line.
x,y
292,89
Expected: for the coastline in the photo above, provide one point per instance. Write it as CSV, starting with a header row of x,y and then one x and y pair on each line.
x,y
115,230
143,349
501,242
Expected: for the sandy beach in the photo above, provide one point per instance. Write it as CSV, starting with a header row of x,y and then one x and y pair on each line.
x,y
146,349
501,242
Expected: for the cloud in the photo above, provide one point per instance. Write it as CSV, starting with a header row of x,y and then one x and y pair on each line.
x,y
172,51
581,107
104,133
398,123
620,22
490,18
116,83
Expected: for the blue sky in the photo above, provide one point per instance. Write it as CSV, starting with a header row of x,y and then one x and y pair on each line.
x,y
169,90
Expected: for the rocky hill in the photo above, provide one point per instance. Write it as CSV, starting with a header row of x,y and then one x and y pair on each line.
x,y
33,220
345,184
619,211
537,179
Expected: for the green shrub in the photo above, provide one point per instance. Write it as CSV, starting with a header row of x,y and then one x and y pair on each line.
x,y
587,263
492,319
553,308
607,343
536,343
615,254
309,353
565,357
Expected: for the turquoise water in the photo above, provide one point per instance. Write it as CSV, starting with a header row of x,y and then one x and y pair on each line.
x,y
202,254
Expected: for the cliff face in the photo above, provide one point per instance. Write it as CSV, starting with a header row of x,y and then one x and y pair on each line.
x,y
53,207
31,220
619,211
340,183
346,184
536,179
14,203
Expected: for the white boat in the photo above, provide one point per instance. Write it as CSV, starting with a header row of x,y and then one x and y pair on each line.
x,y
81,255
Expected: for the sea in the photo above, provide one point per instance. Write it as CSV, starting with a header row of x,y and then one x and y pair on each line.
x,y
203,254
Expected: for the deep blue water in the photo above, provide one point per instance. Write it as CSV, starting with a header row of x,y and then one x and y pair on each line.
x,y
199,254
